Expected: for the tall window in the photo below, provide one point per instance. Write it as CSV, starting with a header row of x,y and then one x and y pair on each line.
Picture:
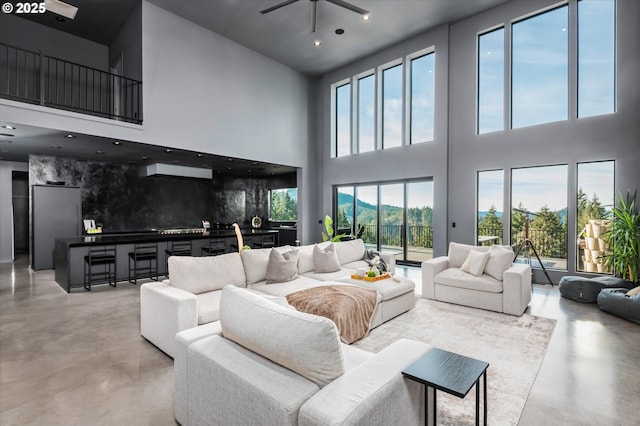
x,y
539,213
540,69
490,207
596,57
422,98
392,107
343,120
491,81
366,114
283,205
593,215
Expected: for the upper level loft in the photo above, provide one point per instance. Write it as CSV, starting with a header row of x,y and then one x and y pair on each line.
x,y
33,77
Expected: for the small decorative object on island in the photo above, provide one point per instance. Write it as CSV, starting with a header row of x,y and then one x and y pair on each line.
x,y
256,222
624,238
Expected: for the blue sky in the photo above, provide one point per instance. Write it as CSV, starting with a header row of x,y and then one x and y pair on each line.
x,y
539,186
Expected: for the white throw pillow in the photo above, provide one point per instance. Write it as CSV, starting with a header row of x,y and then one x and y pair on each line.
x,y
500,259
325,260
282,267
350,251
306,344
475,262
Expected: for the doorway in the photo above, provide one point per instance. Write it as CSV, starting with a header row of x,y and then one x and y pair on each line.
x,y
20,202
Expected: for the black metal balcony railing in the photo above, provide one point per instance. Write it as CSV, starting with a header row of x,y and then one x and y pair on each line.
x,y
32,77
549,244
393,235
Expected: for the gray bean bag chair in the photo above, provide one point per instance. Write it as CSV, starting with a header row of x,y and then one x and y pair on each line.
x,y
585,290
616,302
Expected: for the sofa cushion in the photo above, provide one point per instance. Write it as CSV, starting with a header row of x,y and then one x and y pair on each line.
x,y
306,344
500,259
350,251
455,277
325,260
458,253
283,289
305,259
282,267
209,306
329,276
202,274
255,263
352,267
475,262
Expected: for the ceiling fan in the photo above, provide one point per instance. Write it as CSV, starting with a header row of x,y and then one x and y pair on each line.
x,y
314,10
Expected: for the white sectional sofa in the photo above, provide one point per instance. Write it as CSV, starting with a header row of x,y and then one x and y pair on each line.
x,y
191,297
480,277
242,370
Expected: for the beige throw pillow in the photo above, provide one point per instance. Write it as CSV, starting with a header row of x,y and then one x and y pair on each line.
x,y
326,260
282,267
500,259
475,262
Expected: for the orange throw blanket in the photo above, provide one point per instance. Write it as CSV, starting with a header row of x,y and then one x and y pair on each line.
x,y
349,307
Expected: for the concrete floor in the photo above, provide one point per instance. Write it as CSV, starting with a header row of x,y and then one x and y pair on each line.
x,y
78,359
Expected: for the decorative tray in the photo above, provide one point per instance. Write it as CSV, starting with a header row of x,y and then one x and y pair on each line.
x,y
365,278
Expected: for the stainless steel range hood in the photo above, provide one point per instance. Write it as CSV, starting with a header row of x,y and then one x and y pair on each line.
x,y
173,170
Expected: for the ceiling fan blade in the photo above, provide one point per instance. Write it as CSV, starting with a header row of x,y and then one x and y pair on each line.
x,y
277,6
314,15
349,6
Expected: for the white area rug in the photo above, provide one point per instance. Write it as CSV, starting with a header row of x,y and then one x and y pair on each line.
x,y
513,346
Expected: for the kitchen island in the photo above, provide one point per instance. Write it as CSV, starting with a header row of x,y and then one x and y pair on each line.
x,y
69,253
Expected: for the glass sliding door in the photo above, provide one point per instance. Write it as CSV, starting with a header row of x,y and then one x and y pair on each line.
x,y
392,211
344,210
419,229
367,214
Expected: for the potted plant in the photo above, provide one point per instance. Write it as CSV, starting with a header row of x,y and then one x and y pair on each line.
x,y
623,238
328,226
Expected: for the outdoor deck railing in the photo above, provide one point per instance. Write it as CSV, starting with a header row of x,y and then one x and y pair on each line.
x,y
35,78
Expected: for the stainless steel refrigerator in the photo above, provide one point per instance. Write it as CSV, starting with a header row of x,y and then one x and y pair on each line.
x,y
56,212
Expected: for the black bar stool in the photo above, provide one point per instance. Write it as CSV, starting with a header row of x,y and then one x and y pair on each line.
x,y
177,248
105,259
267,241
143,262
216,247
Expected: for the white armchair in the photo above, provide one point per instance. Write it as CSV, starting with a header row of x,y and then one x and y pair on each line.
x,y
501,286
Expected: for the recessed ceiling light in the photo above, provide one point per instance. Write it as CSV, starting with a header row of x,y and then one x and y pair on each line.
x,y
168,150
339,31
229,159
60,19
249,170
228,168
6,126
99,152
366,17
69,135
117,142
200,155
317,43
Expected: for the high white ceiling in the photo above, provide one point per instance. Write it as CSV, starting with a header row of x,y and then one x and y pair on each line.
x,y
285,34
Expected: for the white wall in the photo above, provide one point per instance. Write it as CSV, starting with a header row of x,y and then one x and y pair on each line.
x,y
6,207
606,137
206,93
424,160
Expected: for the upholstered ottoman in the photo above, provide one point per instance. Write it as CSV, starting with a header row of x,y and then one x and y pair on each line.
x,y
616,302
585,290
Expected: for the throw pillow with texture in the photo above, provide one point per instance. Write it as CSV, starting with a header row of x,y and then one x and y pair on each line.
x,y
500,259
326,260
282,267
475,262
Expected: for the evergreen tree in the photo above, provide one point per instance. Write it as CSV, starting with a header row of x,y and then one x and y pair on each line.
x,y
491,224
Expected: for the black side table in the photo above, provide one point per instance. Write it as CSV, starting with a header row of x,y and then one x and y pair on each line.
x,y
451,373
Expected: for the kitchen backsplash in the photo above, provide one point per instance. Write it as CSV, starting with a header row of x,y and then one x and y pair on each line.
x,y
116,196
